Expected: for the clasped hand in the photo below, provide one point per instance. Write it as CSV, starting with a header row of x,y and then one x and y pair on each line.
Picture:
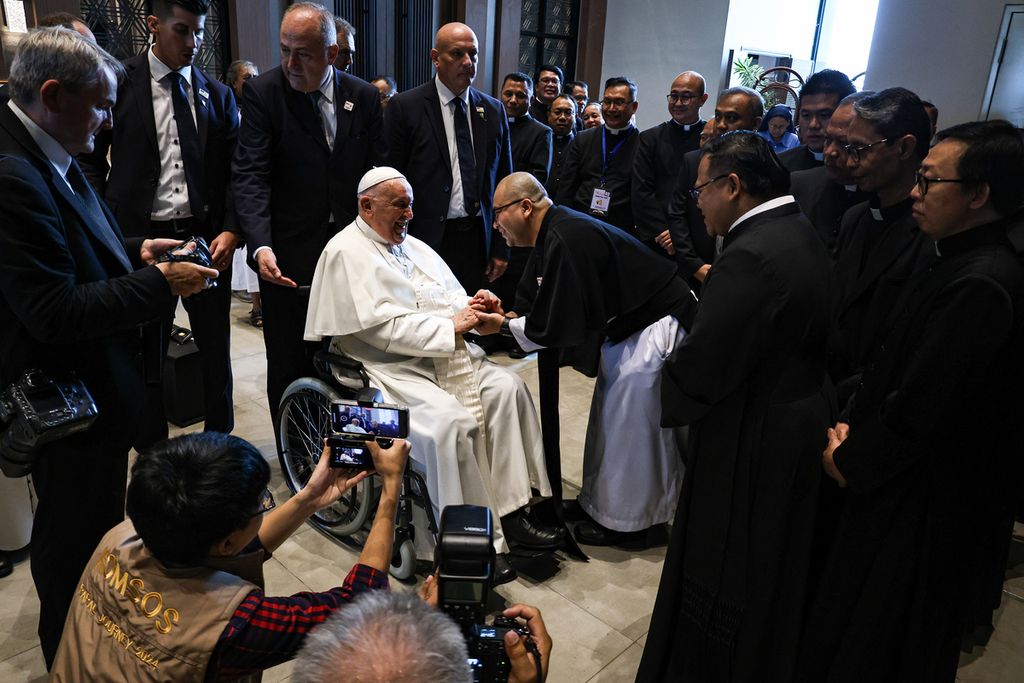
x,y
483,315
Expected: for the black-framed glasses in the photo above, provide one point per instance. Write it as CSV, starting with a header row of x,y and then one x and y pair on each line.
x,y
266,503
680,97
856,151
923,182
610,103
499,209
697,189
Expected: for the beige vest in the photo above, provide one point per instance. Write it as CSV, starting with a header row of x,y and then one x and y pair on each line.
x,y
133,619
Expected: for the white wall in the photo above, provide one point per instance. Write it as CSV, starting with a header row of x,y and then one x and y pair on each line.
x,y
651,41
754,27
940,49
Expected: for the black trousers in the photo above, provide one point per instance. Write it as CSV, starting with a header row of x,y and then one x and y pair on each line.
x,y
80,483
209,318
289,357
463,249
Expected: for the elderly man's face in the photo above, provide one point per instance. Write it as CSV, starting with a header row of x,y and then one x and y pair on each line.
x,y
304,56
81,114
390,210
346,52
835,140
877,162
516,97
244,74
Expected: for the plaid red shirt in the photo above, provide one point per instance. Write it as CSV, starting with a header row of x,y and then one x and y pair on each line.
x,y
264,632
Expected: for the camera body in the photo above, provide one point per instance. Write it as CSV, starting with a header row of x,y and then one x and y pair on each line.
x,y
37,409
465,559
353,423
193,250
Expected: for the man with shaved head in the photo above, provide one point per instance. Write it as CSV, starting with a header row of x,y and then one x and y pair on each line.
x,y
452,142
597,283
658,156
387,299
309,133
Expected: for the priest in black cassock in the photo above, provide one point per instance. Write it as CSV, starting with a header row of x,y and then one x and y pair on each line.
x,y
928,449
561,118
658,157
598,172
737,108
879,246
827,192
819,98
750,381
595,281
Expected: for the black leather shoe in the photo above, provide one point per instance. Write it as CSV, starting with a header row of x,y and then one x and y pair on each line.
x,y
517,353
503,570
521,530
572,511
592,533
6,564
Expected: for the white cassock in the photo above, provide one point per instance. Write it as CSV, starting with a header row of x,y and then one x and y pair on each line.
x,y
472,425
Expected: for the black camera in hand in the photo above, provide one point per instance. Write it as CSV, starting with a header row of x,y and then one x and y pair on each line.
x,y
193,250
464,554
38,409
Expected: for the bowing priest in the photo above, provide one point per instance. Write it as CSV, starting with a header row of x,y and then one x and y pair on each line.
x,y
927,450
750,381
659,154
390,301
597,281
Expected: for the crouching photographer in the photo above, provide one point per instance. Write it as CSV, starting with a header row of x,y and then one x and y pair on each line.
x,y
175,593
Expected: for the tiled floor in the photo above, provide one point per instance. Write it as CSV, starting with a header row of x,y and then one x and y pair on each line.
x,y
597,612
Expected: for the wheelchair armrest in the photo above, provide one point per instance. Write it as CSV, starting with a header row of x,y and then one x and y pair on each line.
x,y
370,394
346,371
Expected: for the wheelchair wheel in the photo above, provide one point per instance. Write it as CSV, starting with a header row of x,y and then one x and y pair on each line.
x,y
406,560
304,419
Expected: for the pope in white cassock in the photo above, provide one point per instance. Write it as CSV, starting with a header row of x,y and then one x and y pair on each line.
x,y
389,301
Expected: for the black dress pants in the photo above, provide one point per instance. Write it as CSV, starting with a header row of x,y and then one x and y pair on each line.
x,y
289,357
462,248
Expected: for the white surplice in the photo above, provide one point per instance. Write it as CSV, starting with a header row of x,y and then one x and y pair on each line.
x,y
472,424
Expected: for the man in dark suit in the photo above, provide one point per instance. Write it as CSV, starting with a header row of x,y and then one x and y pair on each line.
x,y
750,380
453,171
819,97
658,157
737,108
549,80
72,301
169,176
598,171
309,134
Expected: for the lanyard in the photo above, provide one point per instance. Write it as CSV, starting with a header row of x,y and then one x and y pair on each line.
x,y
604,150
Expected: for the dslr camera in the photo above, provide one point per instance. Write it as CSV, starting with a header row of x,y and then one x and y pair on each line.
x,y
193,250
465,556
36,410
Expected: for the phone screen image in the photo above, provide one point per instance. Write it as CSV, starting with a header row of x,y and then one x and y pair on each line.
x,y
369,421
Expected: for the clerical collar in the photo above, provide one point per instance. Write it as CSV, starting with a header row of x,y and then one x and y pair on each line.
x,y
762,208
818,156
850,188
370,233
563,138
962,242
616,131
889,213
687,126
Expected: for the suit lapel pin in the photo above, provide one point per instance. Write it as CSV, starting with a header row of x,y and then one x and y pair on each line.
x,y
348,105
204,94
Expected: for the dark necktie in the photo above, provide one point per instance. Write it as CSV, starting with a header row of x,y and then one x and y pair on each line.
x,y
188,139
315,97
83,191
467,161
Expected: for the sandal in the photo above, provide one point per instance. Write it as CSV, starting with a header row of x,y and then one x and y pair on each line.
x,y
256,317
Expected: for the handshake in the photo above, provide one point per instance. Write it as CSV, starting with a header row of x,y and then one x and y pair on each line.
x,y
484,315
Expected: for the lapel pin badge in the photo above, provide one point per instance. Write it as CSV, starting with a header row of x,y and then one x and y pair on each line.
x,y
204,94
348,105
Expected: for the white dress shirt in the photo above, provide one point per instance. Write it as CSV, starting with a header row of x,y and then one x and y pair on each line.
x,y
171,199
456,202
761,208
328,108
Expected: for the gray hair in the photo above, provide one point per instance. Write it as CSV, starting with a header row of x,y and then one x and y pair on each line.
x,y
755,97
324,20
342,26
58,54
383,636
236,68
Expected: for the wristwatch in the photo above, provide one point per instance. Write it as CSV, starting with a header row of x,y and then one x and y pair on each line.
x,y
506,330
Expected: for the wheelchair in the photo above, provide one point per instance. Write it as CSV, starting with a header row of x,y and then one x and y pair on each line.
x,y
303,420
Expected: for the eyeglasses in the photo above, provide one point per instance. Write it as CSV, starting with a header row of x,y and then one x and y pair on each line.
x,y
697,189
680,97
923,182
266,503
612,104
499,209
855,153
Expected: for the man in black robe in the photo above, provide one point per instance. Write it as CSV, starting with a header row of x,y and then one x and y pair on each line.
x,y
658,156
560,118
750,381
737,108
597,282
879,246
549,79
819,98
598,172
825,193
927,449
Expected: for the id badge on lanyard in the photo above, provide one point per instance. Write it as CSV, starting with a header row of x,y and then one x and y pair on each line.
x,y
601,200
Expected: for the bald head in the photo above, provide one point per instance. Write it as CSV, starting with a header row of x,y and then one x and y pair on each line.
x,y
686,96
454,56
